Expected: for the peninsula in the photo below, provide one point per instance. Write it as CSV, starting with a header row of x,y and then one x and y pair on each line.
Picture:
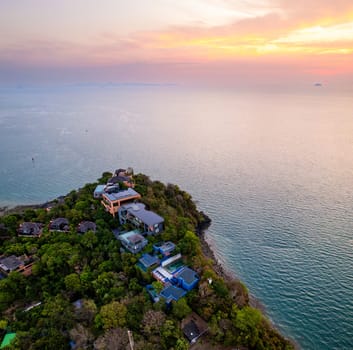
x,y
121,263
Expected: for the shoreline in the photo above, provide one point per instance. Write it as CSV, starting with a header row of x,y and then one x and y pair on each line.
x,y
230,277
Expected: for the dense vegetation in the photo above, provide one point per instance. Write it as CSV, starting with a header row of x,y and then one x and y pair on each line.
x,y
91,268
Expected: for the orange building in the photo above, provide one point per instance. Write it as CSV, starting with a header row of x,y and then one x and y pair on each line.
x,y
113,201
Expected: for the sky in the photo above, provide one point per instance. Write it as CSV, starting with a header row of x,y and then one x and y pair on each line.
x,y
211,42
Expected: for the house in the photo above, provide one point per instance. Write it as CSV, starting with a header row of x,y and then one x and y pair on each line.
x,y
193,327
153,294
13,263
137,215
126,180
186,278
147,261
173,263
59,224
133,241
165,248
124,172
171,293
99,191
30,229
10,263
162,275
85,226
123,176
113,201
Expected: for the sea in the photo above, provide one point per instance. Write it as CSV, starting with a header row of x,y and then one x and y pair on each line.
x,y
272,168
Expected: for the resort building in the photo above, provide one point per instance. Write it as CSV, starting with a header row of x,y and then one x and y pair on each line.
x,y
59,224
164,248
171,292
30,229
85,226
186,278
13,263
177,278
137,215
193,327
133,241
99,191
113,201
123,176
147,261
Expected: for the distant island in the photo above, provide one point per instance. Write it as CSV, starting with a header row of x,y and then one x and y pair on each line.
x,y
121,263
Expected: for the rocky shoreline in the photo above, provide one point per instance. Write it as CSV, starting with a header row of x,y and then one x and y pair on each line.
x,y
227,275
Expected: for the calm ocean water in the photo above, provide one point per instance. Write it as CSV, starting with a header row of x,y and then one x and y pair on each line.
x,y
273,170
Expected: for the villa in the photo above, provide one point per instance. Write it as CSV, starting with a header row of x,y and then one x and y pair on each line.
x,y
171,292
133,241
147,261
177,278
60,225
99,190
193,327
113,201
186,278
122,176
30,229
137,215
85,226
13,263
165,248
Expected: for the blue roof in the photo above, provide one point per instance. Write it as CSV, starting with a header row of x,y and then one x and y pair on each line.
x,y
122,194
146,216
188,275
148,260
172,292
100,188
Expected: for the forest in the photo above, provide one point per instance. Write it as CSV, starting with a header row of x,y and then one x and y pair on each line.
x,y
85,292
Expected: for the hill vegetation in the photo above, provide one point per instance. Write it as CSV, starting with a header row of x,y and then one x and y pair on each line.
x,y
85,293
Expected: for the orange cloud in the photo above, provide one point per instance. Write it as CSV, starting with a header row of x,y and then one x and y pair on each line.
x,y
285,37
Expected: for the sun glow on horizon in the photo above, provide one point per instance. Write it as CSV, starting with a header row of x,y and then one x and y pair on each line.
x,y
202,32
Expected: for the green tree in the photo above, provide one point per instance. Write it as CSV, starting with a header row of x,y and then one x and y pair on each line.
x,y
112,315
248,321
181,344
190,244
181,308
73,283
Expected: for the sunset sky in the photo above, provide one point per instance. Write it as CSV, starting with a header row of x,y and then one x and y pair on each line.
x,y
184,41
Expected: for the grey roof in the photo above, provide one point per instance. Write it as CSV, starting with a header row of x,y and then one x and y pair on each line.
x,y
136,238
30,228
85,226
59,223
148,260
10,263
118,171
187,274
116,179
122,194
191,331
146,216
100,188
